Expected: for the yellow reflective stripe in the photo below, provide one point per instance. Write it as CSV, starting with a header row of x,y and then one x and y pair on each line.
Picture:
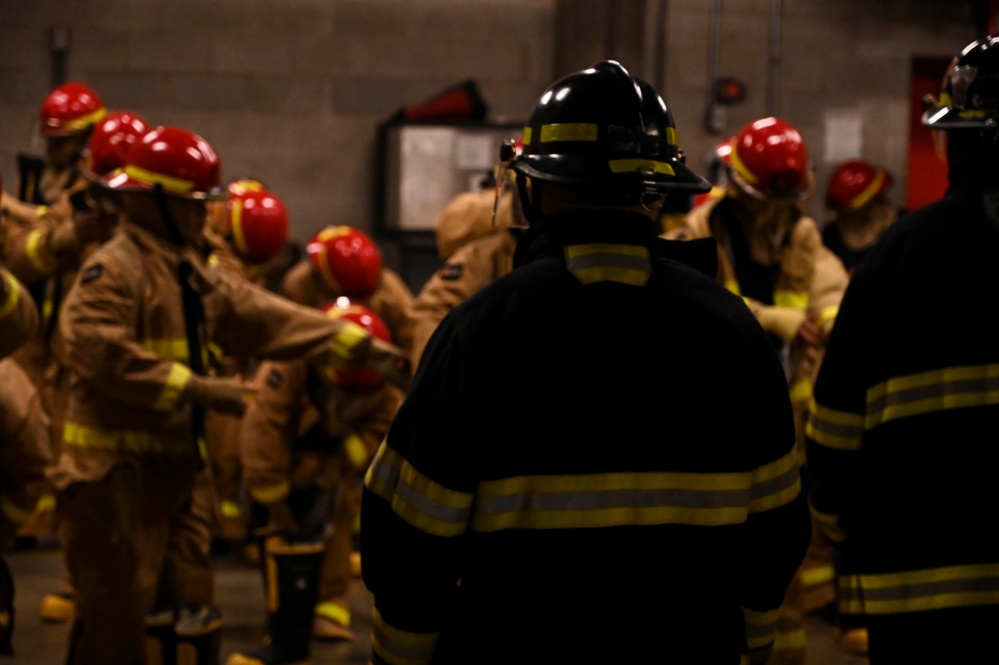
x,y
792,299
123,440
33,250
920,590
84,121
936,390
236,218
528,134
172,349
790,640
345,341
818,575
741,168
401,647
760,626
13,295
415,498
827,316
13,512
733,286
607,262
862,198
830,526
569,131
612,499
840,430
213,260
334,612
801,390
169,183
46,503
270,493
640,165
775,484
231,509
173,387
356,451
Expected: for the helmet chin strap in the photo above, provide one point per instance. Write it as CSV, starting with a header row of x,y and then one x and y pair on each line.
x,y
530,205
171,226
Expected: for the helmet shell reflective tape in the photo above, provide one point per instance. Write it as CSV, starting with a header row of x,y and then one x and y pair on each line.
x,y
69,109
769,160
111,140
854,184
367,318
243,185
349,261
602,128
259,224
969,97
179,161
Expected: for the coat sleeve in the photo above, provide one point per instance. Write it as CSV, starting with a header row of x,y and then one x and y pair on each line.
x,y
29,250
415,512
268,430
18,315
26,450
778,526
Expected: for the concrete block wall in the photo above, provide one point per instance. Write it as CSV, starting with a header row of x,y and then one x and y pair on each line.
x,y
292,91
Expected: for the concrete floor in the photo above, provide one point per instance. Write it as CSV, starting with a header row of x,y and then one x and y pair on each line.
x,y
240,597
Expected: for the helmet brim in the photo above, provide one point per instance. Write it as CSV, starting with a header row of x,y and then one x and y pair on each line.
x,y
120,181
949,117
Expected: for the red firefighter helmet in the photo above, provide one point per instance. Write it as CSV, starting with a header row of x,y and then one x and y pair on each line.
x,y
854,183
367,318
769,160
111,140
179,161
69,109
258,222
349,261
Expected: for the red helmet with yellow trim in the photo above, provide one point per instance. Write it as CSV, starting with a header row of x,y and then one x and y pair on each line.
x,y
258,222
769,160
854,183
367,318
111,140
348,259
69,109
179,161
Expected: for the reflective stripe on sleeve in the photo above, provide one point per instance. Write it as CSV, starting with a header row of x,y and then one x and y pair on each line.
x,y
841,430
356,451
920,590
270,493
173,388
827,316
937,390
776,484
334,612
13,296
123,440
760,627
792,299
830,525
606,262
13,512
401,647
790,640
415,498
33,250
230,509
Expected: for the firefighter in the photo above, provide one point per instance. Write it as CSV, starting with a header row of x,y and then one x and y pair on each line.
x,y
771,254
138,326
897,436
307,438
551,461
475,239
18,316
344,261
857,196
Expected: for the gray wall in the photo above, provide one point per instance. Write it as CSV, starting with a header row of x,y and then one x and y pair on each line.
x,y
292,91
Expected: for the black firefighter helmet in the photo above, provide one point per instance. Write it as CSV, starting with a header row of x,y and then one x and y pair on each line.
x,y
604,129
969,96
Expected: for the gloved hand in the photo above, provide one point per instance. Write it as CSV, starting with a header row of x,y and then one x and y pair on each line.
x,y
227,395
781,321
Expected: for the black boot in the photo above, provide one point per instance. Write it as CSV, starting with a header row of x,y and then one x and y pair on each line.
x,y
291,581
